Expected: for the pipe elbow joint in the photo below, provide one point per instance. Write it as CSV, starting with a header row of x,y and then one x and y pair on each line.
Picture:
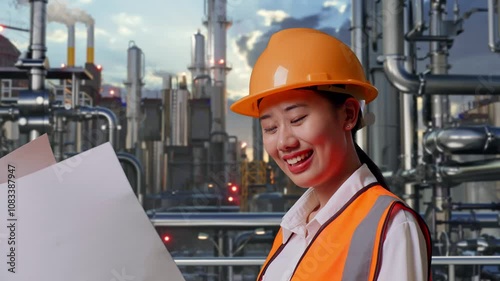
x,y
108,114
398,76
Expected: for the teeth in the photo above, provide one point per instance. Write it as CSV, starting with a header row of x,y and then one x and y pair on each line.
x,y
294,160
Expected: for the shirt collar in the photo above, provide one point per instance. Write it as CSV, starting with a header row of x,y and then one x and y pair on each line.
x,y
294,220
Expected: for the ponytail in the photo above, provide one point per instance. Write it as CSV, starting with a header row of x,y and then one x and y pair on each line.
x,y
365,159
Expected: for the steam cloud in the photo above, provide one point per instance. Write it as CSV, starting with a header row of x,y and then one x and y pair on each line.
x,y
60,12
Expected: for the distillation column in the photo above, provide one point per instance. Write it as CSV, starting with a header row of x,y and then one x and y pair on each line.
x,y
217,25
198,67
134,83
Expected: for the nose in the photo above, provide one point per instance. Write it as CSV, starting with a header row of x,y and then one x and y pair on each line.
x,y
287,140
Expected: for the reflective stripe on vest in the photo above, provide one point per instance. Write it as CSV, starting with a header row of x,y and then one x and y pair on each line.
x,y
359,257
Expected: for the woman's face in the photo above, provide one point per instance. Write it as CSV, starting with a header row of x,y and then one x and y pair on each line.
x,y
308,138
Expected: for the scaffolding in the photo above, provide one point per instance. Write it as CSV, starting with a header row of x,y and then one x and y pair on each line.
x,y
253,181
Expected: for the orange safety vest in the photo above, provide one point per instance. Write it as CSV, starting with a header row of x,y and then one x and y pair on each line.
x,y
349,245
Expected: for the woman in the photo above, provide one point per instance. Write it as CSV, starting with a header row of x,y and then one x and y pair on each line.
x,y
308,89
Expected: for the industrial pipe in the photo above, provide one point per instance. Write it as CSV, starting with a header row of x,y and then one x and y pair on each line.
x,y
33,102
108,114
59,138
455,173
37,46
409,118
75,90
136,164
9,113
230,220
359,46
459,206
430,84
259,261
84,112
464,140
493,31
33,125
483,170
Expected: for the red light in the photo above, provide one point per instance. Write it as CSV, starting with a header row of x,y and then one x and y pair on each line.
x,y
230,199
1,28
221,61
166,238
234,188
99,67
63,65
112,92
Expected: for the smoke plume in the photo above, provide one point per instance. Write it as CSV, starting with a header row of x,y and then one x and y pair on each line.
x,y
82,16
60,12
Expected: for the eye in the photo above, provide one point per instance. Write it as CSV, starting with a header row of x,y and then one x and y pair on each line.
x,y
298,119
269,130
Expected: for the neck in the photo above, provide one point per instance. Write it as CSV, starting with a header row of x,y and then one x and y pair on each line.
x,y
325,191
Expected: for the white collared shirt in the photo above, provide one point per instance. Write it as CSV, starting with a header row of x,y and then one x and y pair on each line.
x,y
404,252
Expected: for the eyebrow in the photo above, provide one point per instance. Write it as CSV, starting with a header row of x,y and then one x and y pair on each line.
x,y
288,108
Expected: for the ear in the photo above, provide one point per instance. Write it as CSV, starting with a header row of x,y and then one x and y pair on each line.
x,y
351,107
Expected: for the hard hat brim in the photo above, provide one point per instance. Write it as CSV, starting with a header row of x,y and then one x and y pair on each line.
x,y
248,105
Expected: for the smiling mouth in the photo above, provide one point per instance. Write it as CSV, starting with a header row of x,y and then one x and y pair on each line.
x,y
299,159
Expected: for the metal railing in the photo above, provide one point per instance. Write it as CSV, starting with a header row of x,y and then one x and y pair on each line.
x,y
451,261
236,261
239,221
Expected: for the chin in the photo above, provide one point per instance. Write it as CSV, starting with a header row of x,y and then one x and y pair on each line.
x,y
302,180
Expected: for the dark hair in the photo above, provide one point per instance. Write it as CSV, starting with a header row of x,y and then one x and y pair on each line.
x,y
338,99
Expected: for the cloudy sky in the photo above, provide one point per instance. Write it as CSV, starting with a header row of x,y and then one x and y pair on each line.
x,y
163,30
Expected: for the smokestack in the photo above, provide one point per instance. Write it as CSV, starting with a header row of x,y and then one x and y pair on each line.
x,y
90,43
81,16
60,12
71,45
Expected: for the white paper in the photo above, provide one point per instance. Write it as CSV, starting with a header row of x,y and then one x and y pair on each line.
x,y
79,220
28,158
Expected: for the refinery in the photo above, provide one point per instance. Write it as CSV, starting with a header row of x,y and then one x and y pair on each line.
x,y
216,207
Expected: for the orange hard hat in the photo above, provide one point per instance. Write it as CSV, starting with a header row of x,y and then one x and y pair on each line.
x,y
303,57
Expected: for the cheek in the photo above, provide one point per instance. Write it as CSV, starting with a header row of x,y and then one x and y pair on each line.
x,y
315,133
270,145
